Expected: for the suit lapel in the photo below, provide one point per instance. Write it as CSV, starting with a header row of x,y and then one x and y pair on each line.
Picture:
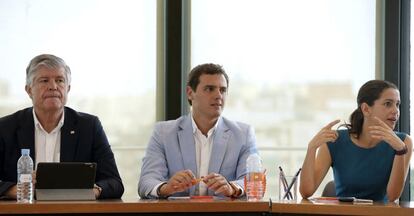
x,y
69,137
219,147
25,134
187,144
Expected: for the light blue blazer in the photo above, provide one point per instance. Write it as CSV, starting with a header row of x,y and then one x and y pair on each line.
x,y
172,149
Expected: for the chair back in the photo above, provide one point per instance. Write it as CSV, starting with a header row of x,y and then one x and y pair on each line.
x,y
329,190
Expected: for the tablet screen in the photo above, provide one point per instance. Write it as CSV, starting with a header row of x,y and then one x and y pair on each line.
x,y
65,175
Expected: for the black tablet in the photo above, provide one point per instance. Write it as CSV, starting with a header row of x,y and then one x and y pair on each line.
x,y
65,175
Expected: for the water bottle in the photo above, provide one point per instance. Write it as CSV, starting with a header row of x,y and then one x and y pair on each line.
x,y
255,179
24,178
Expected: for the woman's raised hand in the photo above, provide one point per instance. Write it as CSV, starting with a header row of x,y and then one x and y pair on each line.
x,y
326,134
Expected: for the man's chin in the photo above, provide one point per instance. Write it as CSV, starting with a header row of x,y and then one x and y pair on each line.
x,y
52,107
216,114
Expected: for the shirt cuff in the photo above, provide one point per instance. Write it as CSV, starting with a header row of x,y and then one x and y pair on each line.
x,y
238,188
154,190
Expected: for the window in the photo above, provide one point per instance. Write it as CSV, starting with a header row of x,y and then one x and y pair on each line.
x,y
110,47
294,66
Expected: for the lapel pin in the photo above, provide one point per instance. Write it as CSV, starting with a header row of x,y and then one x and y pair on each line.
x,y
72,132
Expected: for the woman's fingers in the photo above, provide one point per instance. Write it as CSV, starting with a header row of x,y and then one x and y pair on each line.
x,y
331,124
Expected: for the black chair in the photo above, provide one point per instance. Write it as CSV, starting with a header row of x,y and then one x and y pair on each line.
x,y
329,190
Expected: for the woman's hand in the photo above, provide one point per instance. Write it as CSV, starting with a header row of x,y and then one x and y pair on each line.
x,y
326,134
382,131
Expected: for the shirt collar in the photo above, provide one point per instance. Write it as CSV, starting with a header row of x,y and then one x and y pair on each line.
x,y
39,126
210,132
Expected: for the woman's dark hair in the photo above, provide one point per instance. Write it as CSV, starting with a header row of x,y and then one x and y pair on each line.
x,y
368,93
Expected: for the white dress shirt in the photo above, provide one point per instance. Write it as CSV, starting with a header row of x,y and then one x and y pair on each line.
x,y
47,145
203,145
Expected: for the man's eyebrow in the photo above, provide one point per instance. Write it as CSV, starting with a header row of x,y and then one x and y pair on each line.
x,y
210,86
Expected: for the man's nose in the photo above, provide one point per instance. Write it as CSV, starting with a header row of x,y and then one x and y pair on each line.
x,y
52,85
219,94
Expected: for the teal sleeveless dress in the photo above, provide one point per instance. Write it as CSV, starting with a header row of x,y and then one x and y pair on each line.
x,y
360,172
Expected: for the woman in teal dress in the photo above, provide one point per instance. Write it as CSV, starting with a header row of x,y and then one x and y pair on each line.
x,y
369,159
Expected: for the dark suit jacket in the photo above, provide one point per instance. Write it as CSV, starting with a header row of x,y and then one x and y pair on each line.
x,y
82,140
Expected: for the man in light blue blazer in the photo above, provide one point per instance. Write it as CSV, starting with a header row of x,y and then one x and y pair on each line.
x,y
201,153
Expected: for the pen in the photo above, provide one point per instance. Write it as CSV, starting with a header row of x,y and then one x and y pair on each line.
x,y
325,198
292,183
196,181
284,182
